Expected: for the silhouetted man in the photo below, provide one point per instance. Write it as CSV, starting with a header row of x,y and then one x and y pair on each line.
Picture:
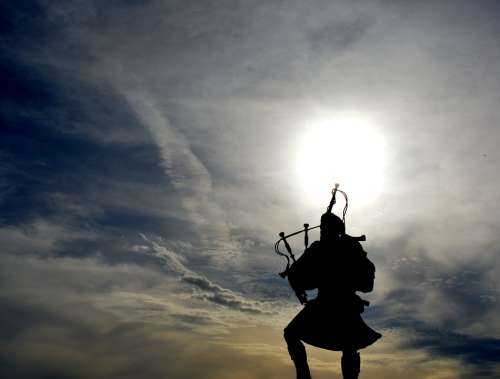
x,y
331,321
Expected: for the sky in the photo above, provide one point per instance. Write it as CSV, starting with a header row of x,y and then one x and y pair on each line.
x,y
151,152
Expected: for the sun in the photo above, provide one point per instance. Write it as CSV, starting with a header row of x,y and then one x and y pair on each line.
x,y
341,148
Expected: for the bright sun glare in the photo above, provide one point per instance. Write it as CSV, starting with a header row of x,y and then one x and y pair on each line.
x,y
346,149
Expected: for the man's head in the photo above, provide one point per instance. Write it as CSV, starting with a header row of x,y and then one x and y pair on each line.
x,y
331,226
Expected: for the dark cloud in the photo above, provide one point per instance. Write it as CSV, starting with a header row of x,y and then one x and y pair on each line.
x,y
200,282
479,354
232,301
74,154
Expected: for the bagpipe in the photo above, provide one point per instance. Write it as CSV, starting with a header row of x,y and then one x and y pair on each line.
x,y
289,256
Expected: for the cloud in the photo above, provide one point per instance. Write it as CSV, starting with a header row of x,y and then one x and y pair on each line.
x,y
478,356
189,177
206,289
447,308
180,120
52,340
39,237
67,317
82,342
458,294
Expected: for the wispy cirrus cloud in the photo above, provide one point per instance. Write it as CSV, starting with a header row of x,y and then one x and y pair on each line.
x,y
190,178
205,288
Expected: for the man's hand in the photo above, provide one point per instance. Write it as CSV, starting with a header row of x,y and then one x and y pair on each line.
x,y
302,296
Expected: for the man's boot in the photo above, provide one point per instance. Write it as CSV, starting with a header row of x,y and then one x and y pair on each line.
x,y
350,364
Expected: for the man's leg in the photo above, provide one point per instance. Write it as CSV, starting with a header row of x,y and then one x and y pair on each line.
x,y
351,364
297,352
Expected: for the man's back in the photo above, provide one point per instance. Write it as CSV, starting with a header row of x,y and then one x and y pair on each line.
x,y
337,265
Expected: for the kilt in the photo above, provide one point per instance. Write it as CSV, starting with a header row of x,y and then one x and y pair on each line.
x,y
338,327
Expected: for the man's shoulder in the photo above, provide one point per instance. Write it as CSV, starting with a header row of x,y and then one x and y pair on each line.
x,y
315,245
351,241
